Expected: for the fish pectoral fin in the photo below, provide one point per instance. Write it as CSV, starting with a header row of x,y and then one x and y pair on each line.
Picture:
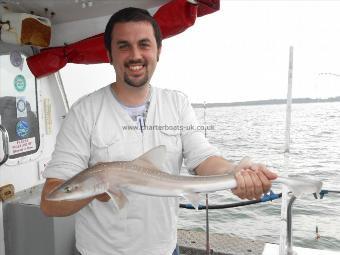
x,y
193,198
118,198
152,158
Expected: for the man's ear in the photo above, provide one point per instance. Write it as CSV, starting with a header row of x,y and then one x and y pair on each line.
x,y
109,56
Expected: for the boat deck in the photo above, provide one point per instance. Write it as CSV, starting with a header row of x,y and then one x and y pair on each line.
x,y
193,243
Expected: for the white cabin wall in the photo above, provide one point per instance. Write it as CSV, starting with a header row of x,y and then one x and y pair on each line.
x,y
23,173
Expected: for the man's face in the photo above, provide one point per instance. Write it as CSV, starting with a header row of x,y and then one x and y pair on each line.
x,y
134,52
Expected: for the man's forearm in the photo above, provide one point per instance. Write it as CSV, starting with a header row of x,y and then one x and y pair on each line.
x,y
63,208
215,166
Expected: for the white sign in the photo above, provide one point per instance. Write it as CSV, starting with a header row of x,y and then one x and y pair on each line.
x,y
21,146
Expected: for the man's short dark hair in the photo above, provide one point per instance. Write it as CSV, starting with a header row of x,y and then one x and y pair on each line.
x,y
127,15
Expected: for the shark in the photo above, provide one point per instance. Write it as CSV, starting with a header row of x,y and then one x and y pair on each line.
x,y
143,175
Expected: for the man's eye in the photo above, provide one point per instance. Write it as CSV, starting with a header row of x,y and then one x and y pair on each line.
x,y
122,46
145,45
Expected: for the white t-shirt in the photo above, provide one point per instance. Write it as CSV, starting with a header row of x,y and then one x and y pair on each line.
x,y
98,129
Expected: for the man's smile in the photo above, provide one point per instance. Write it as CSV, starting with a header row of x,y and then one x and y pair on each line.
x,y
136,68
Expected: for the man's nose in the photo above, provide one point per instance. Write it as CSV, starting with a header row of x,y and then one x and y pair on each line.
x,y
135,53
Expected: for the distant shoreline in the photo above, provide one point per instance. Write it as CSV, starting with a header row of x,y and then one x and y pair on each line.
x,y
268,102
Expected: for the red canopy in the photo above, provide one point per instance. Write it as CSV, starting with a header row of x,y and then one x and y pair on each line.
x,y
173,18
207,6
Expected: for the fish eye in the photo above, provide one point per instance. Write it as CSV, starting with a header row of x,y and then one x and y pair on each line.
x,y
68,189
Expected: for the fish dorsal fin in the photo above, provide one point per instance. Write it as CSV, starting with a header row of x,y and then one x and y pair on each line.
x,y
152,158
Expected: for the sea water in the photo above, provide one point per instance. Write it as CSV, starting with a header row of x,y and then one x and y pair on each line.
x,y
259,132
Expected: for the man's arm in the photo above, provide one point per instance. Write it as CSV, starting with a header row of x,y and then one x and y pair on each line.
x,y
63,208
71,155
215,165
252,181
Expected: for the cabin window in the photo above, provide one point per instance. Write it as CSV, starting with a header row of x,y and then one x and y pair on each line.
x,y
18,105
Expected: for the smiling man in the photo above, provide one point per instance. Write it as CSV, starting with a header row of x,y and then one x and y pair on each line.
x,y
122,121
134,53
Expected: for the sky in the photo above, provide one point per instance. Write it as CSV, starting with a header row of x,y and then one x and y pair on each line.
x,y
241,53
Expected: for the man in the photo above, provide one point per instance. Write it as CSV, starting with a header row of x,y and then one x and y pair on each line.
x,y
98,129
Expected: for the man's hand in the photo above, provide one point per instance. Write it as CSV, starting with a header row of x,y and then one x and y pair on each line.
x,y
253,181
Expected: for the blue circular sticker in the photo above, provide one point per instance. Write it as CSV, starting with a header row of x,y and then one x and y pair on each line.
x,y
20,83
22,128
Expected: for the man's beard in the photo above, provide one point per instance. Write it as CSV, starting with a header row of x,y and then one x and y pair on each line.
x,y
139,83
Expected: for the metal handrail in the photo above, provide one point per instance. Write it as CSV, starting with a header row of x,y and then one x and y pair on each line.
x,y
5,144
289,248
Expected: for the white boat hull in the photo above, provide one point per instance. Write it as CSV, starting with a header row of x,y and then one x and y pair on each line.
x,y
273,249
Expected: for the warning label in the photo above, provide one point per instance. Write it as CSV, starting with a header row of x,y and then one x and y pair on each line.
x,y
22,146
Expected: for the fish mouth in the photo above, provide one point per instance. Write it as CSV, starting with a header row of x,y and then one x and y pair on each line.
x,y
54,195
60,196
49,198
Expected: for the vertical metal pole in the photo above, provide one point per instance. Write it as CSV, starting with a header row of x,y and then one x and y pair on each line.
x,y
205,121
207,224
284,205
289,226
206,196
285,196
289,100
286,236
283,228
